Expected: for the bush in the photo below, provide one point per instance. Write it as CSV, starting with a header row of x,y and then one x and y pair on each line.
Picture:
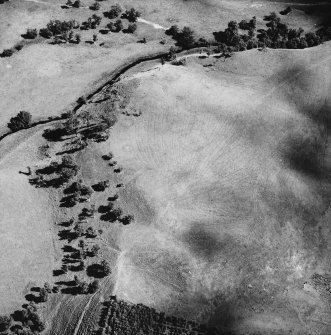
x,y
7,53
31,34
21,121
132,28
95,6
131,14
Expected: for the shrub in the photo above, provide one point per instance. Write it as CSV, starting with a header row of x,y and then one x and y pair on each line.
x,y
95,37
131,14
7,53
21,121
5,322
95,6
45,32
132,28
31,34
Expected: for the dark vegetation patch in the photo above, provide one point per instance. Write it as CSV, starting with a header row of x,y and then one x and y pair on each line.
x,y
127,318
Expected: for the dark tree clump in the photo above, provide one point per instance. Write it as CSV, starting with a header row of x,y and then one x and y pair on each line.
x,y
114,12
131,15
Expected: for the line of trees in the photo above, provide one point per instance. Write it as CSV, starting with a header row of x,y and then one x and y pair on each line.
x,y
244,35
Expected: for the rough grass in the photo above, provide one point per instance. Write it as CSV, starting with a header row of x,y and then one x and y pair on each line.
x,y
224,222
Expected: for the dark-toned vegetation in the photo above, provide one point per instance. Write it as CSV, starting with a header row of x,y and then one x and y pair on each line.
x,y
95,6
30,34
120,317
277,35
7,53
132,27
114,12
92,22
21,121
131,15
98,270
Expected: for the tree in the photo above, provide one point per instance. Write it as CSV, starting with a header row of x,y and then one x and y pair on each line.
x,y
186,38
7,53
244,25
78,230
93,286
95,6
173,31
21,121
114,11
118,25
132,15
69,3
5,322
132,28
68,161
43,295
77,38
312,39
48,287
95,249
31,34
105,267
45,32
127,219
76,4
90,232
